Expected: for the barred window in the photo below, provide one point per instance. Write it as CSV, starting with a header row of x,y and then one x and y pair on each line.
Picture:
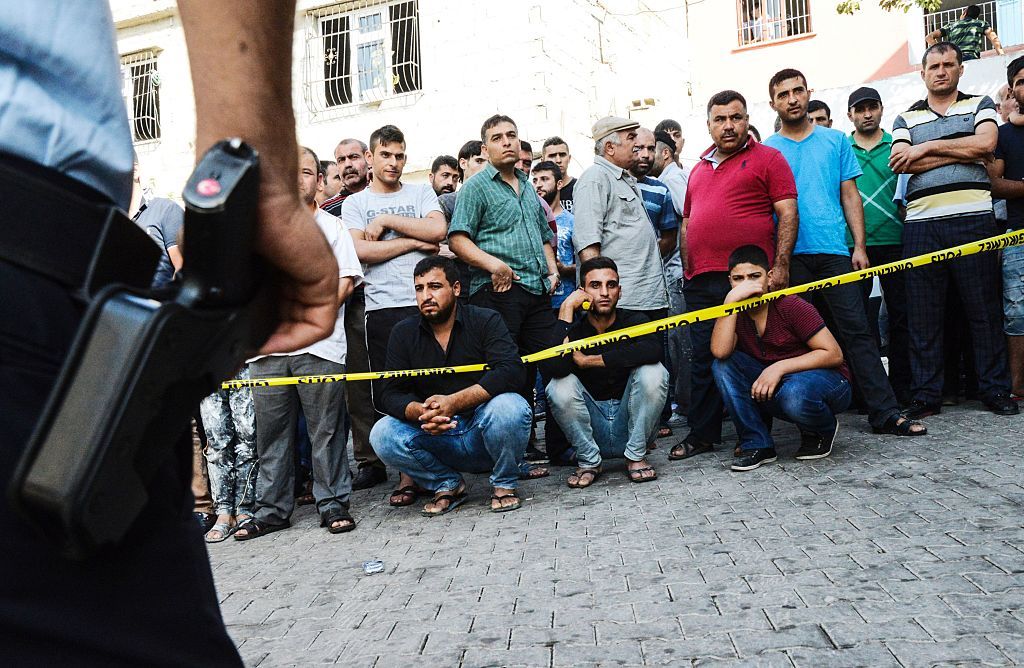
x,y
770,20
361,51
142,94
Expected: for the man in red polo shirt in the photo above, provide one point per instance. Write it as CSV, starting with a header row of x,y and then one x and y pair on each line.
x,y
734,194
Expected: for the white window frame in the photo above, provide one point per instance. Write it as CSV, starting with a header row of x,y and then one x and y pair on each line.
x,y
315,82
132,60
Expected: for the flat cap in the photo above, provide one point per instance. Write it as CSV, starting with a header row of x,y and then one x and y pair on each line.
x,y
610,124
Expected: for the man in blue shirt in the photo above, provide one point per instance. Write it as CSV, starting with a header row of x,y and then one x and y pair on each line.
x,y
826,172
661,210
149,599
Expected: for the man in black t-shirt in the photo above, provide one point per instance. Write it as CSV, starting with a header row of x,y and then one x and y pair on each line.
x,y
1007,175
606,399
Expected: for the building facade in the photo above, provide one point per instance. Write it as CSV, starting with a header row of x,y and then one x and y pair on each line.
x,y
434,68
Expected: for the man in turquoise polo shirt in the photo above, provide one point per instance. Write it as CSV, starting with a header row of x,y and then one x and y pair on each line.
x,y
883,228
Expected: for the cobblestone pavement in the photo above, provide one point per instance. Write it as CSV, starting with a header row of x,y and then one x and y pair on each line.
x,y
902,552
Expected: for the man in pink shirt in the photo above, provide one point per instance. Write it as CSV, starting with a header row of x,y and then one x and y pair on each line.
x,y
734,195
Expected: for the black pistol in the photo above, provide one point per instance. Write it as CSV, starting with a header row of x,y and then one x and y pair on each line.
x,y
139,367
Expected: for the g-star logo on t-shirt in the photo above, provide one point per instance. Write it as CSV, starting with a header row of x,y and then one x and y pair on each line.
x,y
407,210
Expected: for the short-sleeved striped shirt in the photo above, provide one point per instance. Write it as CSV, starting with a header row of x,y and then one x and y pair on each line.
x,y
511,227
959,189
968,34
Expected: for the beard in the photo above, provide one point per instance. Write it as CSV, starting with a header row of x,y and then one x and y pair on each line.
x,y
440,315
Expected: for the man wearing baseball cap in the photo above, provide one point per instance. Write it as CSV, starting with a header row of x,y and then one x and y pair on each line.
x,y
611,219
883,228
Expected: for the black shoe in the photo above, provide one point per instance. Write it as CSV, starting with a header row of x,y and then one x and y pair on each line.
x,y
816,446
369,476
919,409
751,459
1002,404
534,456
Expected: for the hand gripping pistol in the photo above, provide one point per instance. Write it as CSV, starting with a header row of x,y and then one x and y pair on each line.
x,y
139,367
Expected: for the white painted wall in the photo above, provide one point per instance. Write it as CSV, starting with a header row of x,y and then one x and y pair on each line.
x,y
538,62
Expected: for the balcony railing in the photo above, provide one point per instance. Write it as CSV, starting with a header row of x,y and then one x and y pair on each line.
x,y
936,20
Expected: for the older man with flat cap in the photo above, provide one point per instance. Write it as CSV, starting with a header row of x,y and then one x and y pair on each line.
x,y
611,219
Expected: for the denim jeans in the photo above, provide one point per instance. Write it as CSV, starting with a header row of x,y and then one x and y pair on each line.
x,y
230,421
492,439
613,428
808,399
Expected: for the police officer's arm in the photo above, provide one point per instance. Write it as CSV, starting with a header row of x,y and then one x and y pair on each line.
x,y
230,47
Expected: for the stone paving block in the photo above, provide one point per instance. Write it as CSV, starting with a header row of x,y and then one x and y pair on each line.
x,y
623,614
611,632
626,653
729,603
1010,644
852,634
973,605
875,655
840,611
649,612
579,634
684,651
489,658
971,651
700,625
752,643
951,627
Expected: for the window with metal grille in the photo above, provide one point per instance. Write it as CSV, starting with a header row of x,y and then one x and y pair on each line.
x,y
361,52
142,94
770,20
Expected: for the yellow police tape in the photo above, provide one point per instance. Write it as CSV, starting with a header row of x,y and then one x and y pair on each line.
x,y
990,244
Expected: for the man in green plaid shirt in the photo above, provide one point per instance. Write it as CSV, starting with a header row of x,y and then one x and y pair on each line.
x,y
501,232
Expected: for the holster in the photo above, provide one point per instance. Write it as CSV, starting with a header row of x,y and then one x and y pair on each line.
x,y
138,367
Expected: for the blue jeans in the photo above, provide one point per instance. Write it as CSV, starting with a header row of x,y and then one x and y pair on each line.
x,y
613,428
493,439
808,399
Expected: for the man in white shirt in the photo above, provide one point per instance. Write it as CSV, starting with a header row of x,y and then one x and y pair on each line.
x,y
323,404
393,226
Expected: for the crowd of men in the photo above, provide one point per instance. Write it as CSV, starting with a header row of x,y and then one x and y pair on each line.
x,y
506,252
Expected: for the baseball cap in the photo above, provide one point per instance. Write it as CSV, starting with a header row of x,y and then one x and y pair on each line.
x,y
861,94
610,124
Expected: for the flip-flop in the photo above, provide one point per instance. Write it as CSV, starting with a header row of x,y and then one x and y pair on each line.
x,y
595,473
454,499
504,509
255,528
690,450
639,478
409,494
225,530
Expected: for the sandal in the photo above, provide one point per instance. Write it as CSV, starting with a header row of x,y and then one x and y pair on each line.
x,y
454,499
897,425
306,498
593,472
406,496
255,528
686,449
535,472
664,432
338,515
502,508
223,528
637,475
